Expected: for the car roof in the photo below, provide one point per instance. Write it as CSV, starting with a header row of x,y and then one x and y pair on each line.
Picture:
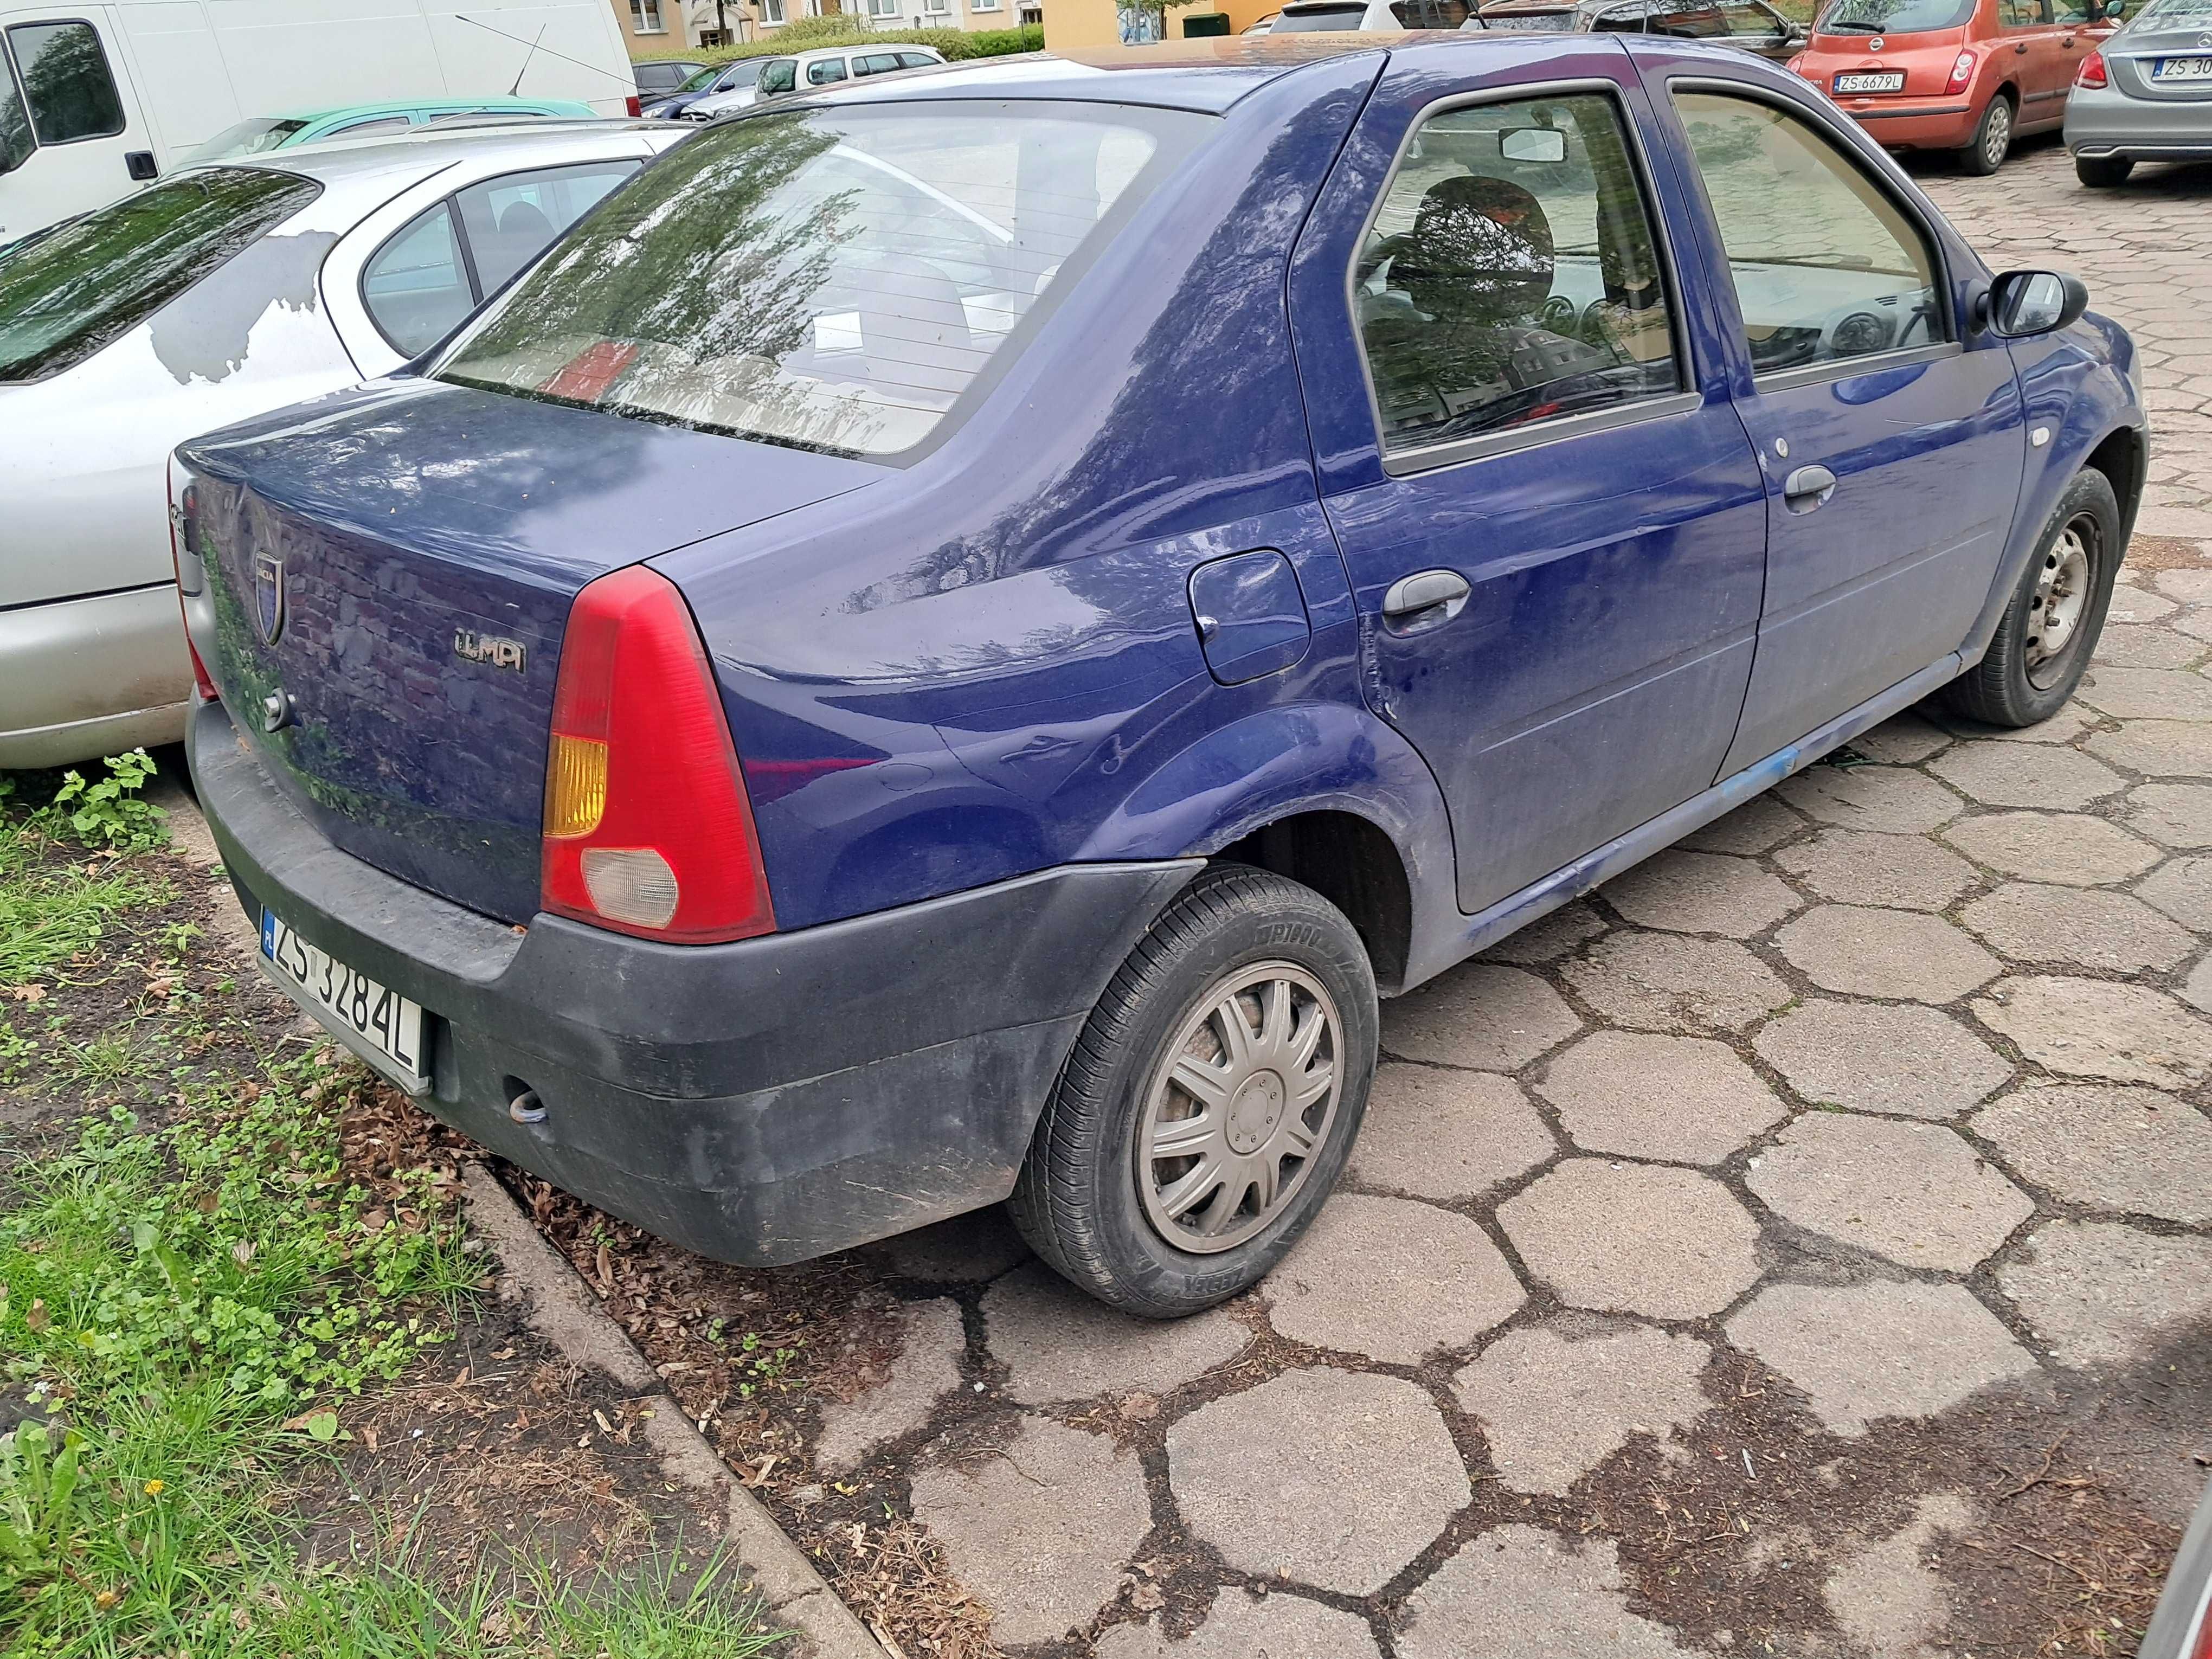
x,y
1207,73
807,53
415,106
394,161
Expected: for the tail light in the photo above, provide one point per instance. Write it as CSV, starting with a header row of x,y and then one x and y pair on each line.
x,y
1962,72
184,540
648,827
2091,72
1796,65
633,105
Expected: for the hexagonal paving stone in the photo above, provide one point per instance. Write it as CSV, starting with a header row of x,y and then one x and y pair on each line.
x,y
926,1369
2189,586
1897,872
2042,775
1039,1530
1685,1099
1283,1479
2068,724
1057,1343
1902,740
2158,749
1760,822
1549,938
1672,982
1874,1057
1554,1404
1391,1279
1517,1592
1885,953
1446,1136
1884,1349
2132,1150
1491,1017
2097,1291
1912,1192
1238,1627
2182,888
2088,926
2063,846
2135,693
1667,1243
1881,798
2171,814
2093,1028
1701,893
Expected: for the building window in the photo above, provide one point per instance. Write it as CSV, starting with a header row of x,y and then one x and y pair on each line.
x,y
982,5
936,8
771,12
1032,14
645,17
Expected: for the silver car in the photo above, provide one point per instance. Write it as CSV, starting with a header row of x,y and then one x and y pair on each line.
x,y
2145,95
223,292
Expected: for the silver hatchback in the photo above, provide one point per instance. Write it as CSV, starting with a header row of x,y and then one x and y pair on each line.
x,y
2145,95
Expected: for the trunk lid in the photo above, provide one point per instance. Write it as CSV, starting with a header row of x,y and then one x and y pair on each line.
x,y
395,566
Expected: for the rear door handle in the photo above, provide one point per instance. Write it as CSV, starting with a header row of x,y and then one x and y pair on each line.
x,y
1807,487
1426,590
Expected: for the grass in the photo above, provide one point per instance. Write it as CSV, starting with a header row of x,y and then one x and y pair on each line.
x,y
192,1310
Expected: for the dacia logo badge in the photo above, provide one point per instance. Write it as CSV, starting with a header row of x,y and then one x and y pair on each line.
x,y
493,650
268,595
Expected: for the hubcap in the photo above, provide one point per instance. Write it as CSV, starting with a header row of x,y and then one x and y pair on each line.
x,y
1239,1107
2000,138
2056,608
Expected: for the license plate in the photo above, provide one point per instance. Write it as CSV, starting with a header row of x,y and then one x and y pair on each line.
x,y
1887,80
2182,68
387,1026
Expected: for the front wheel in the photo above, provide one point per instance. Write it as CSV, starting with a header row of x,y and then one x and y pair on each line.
x,y
1992,140
2103,172
1210,1101
2043,643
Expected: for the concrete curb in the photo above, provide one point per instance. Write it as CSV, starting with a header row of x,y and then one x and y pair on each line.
x,y
561,1309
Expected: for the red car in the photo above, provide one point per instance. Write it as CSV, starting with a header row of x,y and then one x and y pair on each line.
x,y
1968,75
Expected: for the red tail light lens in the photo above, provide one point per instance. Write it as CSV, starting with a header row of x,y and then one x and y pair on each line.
x,y
632,105
1962,72
648,827
2091,72
184,522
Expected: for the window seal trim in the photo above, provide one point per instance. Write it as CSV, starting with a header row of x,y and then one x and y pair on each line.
x,y
1840,137
1429,457
23,90
1852,369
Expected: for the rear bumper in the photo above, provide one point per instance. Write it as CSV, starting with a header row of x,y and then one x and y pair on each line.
x,y
1947,126
762,1102
2107,122
80,678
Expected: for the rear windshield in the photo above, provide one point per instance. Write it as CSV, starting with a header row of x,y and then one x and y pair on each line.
x,y
1894,16
67,293
2178,11
833,279
1319,19
1531,22
246,139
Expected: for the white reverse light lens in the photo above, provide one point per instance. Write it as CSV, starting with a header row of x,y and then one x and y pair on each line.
x,y
630,884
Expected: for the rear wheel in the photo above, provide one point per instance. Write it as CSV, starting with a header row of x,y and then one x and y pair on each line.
x,y
2048,632
1211,1100
2103,172
1992,139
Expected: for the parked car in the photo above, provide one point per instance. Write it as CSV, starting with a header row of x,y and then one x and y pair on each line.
x,y
1753,25
1964,76
2145,95
2181,1628
658,76
264,133
810,71
1337,16
850,732
223,291
715,78
98,101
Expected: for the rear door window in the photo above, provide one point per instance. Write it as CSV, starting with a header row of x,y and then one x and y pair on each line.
x,y
66,82
876,63
916,59
510,220
823,70
417,287
69,291
370,128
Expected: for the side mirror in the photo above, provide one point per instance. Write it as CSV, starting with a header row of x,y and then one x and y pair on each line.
x,y
1533,145
2021,303
2116,10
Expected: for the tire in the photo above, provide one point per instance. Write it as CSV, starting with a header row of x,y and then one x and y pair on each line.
x,y
1105,1216
1992,140
2022,679
2103,172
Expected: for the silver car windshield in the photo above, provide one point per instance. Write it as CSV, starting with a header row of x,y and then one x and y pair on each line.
x,y
68,291
834,278
246,139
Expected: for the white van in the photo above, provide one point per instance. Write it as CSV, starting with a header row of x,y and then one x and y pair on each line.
x,y
810,71
97,98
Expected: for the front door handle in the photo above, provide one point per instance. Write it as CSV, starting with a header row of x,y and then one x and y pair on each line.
x,y
1807,487
2021,51
1441,591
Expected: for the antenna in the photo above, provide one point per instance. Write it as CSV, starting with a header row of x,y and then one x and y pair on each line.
x,y
526,57
608,74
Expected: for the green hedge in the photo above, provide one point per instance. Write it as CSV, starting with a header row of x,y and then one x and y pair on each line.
x,y
803,33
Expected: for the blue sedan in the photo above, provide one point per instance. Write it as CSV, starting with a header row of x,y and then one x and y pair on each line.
x,y
949,642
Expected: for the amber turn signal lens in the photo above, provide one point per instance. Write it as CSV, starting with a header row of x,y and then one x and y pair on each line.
x,y
575,786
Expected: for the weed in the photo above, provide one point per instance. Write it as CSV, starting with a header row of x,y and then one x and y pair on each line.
x,y
107,813
52,910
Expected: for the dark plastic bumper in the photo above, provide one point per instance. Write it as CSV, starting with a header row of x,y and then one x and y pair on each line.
x,y
763,1102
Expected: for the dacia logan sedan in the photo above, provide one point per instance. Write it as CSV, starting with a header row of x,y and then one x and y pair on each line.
x,y
949,642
